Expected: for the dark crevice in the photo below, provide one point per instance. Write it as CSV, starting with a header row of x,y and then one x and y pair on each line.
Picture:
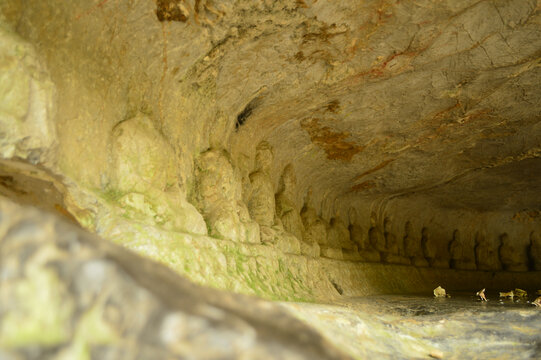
x,y
170,10
247,112
337,287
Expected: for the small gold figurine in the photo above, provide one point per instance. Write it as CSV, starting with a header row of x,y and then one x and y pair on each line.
x,y
537,302
509,294
481,294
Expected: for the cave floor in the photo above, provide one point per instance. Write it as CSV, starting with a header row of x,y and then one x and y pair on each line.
x,y
418,327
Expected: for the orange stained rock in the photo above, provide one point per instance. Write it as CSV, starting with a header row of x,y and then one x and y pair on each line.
x,y
374,169
366,185
334,143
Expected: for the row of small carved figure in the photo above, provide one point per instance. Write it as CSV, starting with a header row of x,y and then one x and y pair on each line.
x,y
270,217
504,254
335,238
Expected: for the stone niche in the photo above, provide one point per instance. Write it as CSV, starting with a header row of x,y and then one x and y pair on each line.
x,y
143,177
486,253
462,253
218,196
360,237
412,246
315,229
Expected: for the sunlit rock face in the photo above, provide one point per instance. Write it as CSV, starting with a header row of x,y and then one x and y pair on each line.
x,y
251,144
26,105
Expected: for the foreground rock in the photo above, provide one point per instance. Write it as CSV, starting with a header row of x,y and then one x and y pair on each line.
x,y
67,294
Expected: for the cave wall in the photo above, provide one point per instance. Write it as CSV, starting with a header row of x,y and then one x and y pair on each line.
x,y
156,123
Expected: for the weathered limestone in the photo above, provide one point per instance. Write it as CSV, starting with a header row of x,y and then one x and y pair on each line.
x,y
412,247
78,296
428,246
262,207
143,178
286,210
373,103
261,203
441,260
199,82
486,254
315,229
332,252
375,235
393,251
332,248
359,236
535,251
339,236
285,207
310,249
27,94
435,252
462,253
218,197
289,244
312,236
140,157
277,237
513,257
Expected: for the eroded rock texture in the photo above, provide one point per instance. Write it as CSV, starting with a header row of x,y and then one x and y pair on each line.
x,y
143,177
290,149
68,294
486,257
412,246
164,125
535,251
26,105
462,253
261,204
220,200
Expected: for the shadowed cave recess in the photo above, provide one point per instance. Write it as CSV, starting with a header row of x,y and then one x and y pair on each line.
x,y
307,151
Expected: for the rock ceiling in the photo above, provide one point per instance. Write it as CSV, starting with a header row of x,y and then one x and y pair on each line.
x,y
395,98
368,100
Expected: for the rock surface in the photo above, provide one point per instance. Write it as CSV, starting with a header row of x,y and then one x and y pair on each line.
x,y
293,149
405,113
27,97
67,294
